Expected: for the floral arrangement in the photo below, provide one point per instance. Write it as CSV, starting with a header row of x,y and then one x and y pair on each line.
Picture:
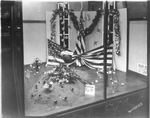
x,y
116,14
73,18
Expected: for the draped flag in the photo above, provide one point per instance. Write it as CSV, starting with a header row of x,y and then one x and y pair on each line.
x,y
94,58
80,42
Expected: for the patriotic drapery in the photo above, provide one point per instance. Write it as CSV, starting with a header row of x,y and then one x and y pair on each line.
x,y
80,42
94,58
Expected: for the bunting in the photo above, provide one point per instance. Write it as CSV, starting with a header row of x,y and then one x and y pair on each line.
x,y
94,58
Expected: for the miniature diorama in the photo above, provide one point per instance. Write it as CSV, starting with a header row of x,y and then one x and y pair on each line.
x,y
66,69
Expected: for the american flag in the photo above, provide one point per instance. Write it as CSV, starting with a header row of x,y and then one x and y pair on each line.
x,y
80,42
54,51
94,58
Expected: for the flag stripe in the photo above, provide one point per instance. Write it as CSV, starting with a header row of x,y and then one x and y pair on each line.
x,y
80,42
78,48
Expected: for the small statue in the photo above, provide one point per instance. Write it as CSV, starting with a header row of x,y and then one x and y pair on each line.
x,y
36,65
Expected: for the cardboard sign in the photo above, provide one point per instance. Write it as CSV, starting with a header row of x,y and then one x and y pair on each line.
x,y
90,89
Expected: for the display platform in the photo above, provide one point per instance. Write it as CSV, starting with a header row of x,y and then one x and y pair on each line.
x,y
44,99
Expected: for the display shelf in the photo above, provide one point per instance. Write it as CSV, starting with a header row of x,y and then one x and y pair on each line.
x,y
78,98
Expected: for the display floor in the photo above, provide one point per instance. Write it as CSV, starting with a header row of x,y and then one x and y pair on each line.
x,y
41,101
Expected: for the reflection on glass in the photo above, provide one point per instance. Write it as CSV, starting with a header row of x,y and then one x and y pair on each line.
x,y
56,79
6,32
55,82
121,83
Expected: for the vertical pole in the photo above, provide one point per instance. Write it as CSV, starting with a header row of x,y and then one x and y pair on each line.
x,y
148,53
111,27
105,47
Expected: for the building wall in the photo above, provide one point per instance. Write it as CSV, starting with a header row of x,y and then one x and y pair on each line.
x,y
137,10
137,15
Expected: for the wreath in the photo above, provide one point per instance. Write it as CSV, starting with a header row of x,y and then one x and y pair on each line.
x,y
74,19
88,30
